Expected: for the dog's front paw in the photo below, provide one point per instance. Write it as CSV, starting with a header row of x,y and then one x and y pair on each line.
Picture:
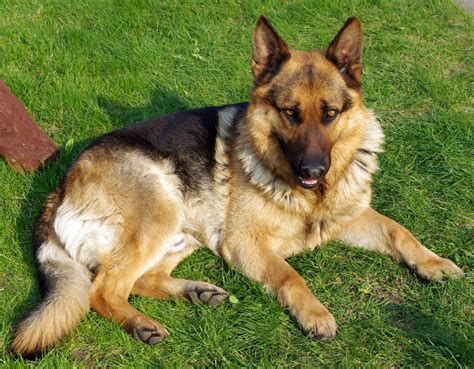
x,y
433,269
319,324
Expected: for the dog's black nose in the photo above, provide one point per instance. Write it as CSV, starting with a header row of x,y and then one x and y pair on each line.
x,y
311,171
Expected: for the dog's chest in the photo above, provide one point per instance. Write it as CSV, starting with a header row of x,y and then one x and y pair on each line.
x,y
294,233
291,234
314,233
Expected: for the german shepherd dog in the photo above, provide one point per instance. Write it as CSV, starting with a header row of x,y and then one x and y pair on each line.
x,y
255,182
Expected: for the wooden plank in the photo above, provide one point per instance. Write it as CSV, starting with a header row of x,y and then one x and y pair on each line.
x,y
22,142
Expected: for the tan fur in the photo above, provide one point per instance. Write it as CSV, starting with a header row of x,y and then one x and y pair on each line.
x,y
374,231
58,314
122,215
104,221
291,219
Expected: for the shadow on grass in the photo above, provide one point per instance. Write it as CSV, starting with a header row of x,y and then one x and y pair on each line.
x,y
162,102
426,330
45,180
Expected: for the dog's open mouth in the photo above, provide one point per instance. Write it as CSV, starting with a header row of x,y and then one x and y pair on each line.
x,y
308,182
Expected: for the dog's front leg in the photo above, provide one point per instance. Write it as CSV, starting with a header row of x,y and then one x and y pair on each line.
x,y
376,232
256,259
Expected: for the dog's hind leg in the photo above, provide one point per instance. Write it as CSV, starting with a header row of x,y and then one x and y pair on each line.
x,y
139,249
373,231
163,286
157,283
110,291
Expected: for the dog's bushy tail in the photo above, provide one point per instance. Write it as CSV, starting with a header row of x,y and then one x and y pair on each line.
x,y
65,285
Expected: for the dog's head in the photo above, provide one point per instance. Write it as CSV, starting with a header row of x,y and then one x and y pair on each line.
x,y
304,96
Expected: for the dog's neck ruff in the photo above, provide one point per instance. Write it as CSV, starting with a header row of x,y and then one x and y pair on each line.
x,y
259,175
365,161
363,164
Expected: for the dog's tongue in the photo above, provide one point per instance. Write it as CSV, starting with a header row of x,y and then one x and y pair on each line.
x,y
309,181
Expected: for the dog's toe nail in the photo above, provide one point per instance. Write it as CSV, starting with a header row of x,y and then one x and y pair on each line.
x,y
217,299
194,297
322,337
205,296
145,334
155,338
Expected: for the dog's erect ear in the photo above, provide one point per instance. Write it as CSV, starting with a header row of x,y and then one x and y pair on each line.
x,y
346,50
269,51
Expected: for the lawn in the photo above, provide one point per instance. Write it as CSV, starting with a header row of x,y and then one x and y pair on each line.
x,y
83,68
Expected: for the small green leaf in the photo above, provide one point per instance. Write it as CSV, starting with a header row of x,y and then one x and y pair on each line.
x,y
69,144
233,299
365,288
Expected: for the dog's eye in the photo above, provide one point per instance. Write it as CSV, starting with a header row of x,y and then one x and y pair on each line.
x,y
290,113
329,115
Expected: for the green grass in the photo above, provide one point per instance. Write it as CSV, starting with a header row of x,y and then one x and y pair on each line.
x,y
83,68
